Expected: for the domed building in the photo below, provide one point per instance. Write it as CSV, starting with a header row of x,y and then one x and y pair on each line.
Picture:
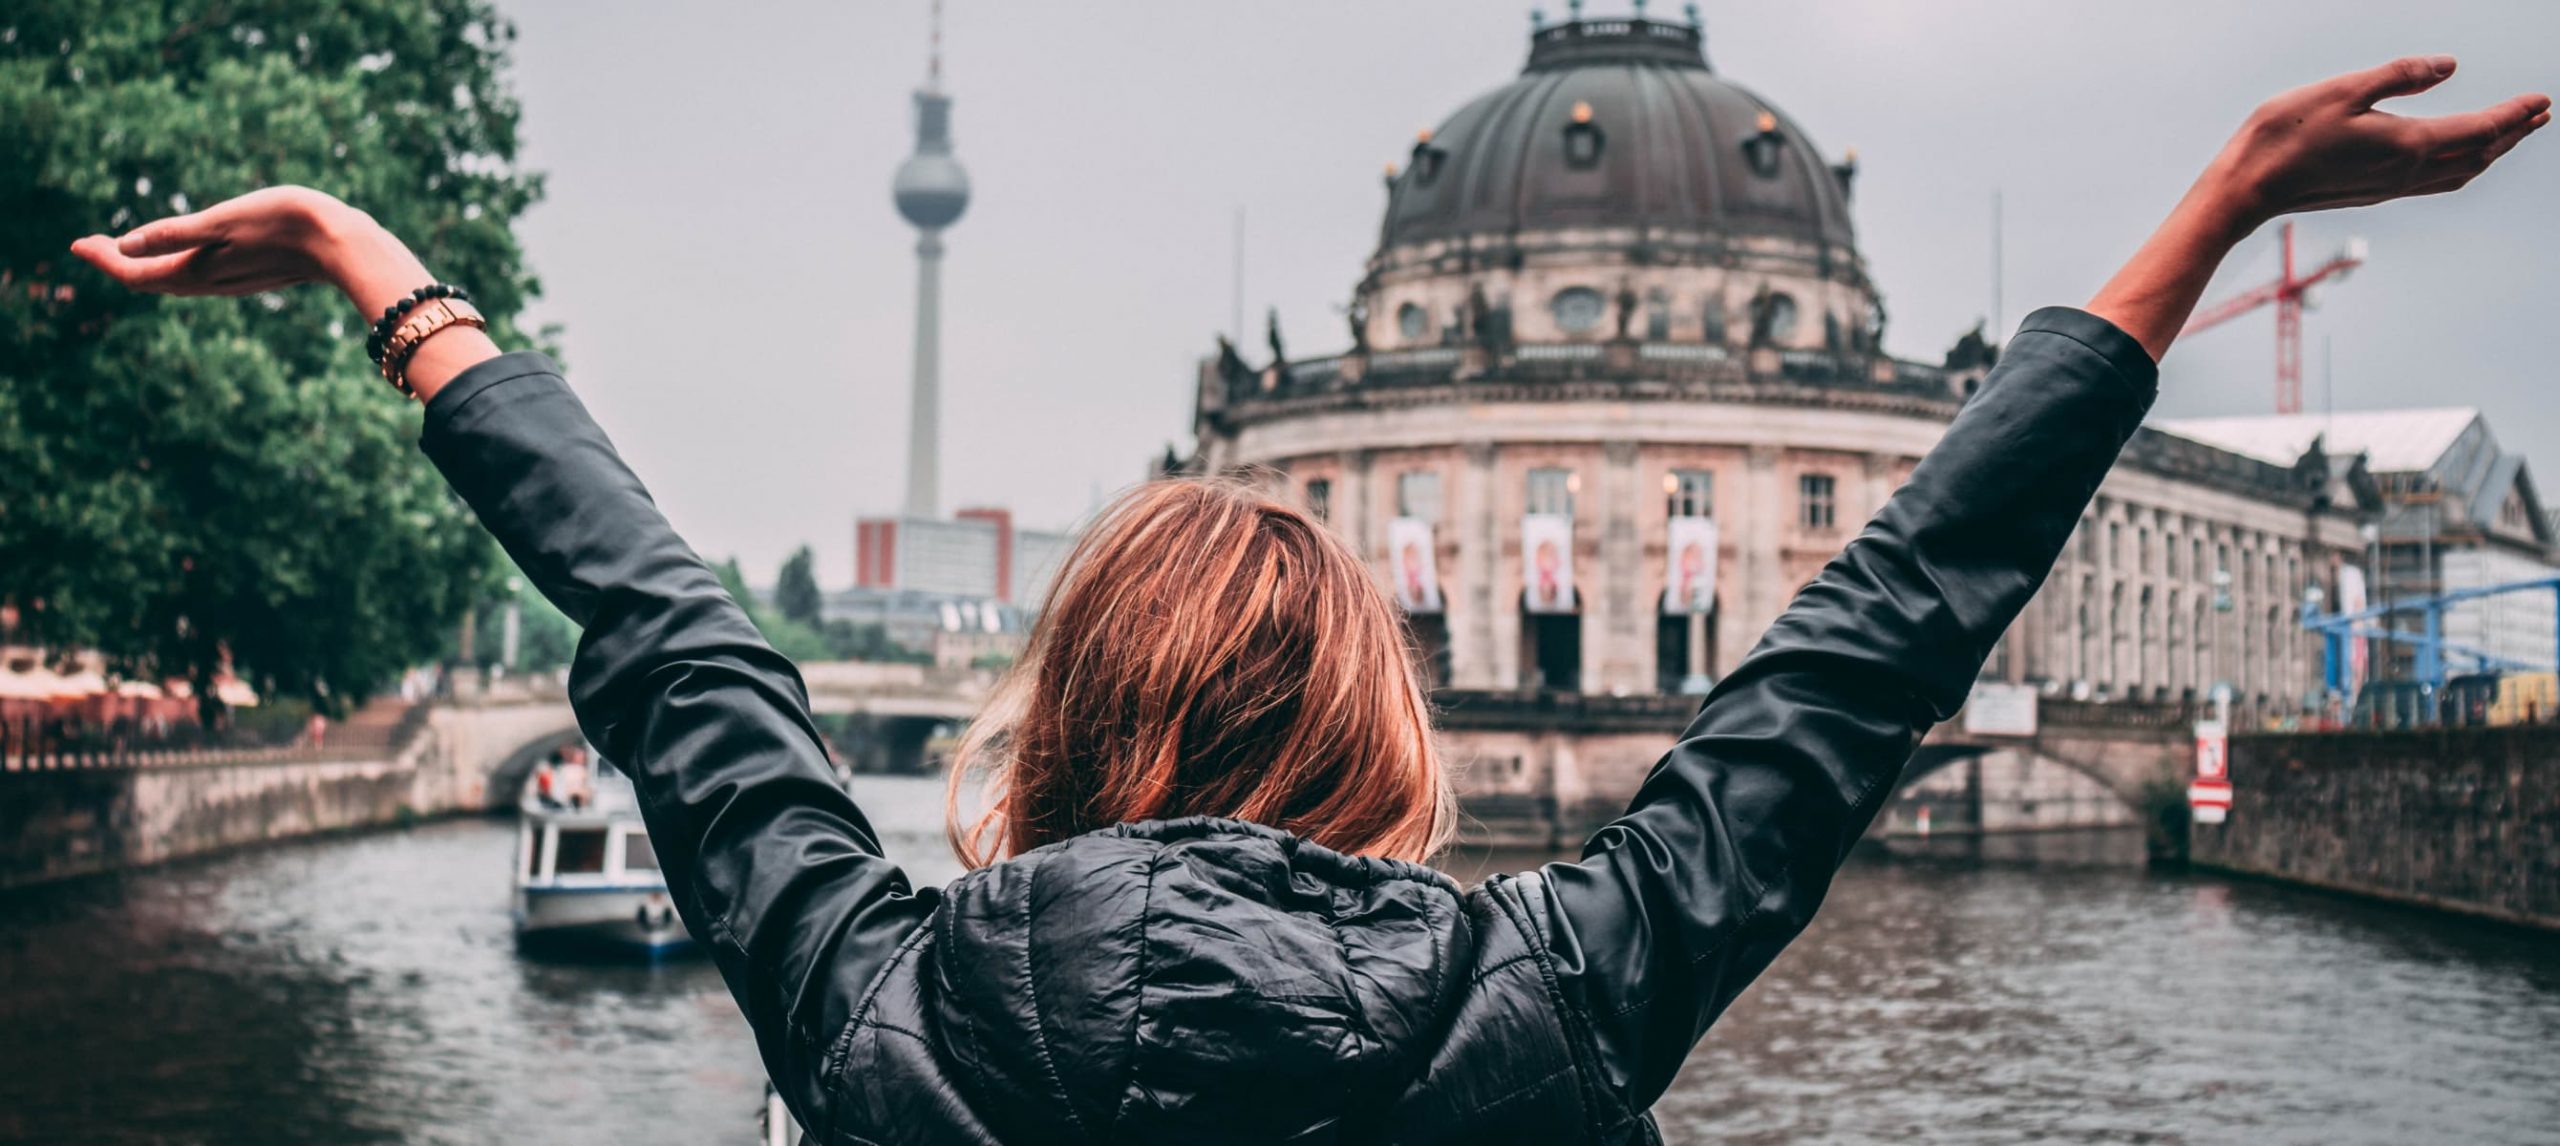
x,y
1617,390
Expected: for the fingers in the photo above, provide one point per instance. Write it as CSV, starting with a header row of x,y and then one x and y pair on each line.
x,y
2407,75
2474,131
2449,172
159,274
171,235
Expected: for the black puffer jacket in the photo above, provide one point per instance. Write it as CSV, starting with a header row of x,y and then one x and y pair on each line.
x,y
1202,980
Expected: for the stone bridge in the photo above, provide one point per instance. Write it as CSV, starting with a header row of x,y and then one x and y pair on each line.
x,y
881,717
1545,769
2134,750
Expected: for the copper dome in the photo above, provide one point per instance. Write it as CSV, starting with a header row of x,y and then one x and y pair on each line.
x,y
1617,123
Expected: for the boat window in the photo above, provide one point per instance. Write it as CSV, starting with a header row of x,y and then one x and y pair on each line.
x,y
581,852
530,843
637,854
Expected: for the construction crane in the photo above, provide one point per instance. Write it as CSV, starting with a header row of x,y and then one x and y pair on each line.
x,y
2287,293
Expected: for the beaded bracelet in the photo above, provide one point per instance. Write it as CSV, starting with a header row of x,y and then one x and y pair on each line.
x,y
375,342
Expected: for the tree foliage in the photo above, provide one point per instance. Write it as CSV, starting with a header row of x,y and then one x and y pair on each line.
x,y
795,589
190,482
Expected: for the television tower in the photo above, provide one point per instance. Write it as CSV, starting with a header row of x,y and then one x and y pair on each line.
x,y
931,192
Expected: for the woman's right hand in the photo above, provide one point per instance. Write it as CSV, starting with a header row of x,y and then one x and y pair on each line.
x,y
2318,146
2326,145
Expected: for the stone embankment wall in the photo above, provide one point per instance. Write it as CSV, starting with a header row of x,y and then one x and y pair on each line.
x,y
2466,820
56,824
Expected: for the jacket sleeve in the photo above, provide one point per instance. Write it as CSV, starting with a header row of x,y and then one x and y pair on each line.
x,y
768,860
1733,838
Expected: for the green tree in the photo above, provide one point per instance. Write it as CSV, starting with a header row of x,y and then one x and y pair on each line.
x,y
788,637
186,483
795,590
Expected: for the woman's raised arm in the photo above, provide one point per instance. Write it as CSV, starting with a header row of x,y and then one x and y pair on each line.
x,y
1733,839
773,867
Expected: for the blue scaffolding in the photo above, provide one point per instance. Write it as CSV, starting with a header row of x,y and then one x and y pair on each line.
x,y
2336,629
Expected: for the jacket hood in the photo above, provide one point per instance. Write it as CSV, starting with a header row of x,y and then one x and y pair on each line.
x,y
1192,976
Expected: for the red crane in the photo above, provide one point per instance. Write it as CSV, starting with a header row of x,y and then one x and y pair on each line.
x,y
2287,293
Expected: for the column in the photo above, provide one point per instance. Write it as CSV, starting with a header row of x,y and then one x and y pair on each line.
x,y
1610,630
1351,511
1472,661
1765,585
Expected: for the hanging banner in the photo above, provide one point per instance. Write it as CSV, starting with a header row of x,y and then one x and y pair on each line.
x,y
1546,562
1416,565
1689,576
2351,600
2209,796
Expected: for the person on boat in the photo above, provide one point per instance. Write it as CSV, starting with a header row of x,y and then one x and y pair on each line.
x,y
577,781
546,780
1198,910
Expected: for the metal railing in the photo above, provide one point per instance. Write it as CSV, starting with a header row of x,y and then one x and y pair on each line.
x,y
33,744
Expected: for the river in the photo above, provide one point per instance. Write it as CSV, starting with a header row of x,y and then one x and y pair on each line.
x,y
366,989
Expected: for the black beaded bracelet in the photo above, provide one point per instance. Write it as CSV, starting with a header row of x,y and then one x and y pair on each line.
x,y
391,315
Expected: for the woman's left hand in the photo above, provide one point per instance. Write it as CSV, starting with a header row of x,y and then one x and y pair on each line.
x,y
280,237
262,241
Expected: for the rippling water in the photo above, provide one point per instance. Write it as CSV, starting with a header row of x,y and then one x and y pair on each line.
x,y
367,990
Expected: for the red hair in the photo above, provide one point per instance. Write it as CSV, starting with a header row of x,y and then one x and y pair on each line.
x,y
1209,652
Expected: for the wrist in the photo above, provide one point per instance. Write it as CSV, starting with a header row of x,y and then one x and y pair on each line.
x,y
367,263
2228,202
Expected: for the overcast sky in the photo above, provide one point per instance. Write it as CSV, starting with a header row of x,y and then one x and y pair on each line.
x,y
736,289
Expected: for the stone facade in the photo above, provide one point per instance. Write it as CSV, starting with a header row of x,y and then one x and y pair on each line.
x,y
1473,396
2461,819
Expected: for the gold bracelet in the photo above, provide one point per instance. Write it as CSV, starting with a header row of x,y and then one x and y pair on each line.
x,y
424,321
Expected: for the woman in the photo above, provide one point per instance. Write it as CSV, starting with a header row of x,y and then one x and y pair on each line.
x,y
1203,918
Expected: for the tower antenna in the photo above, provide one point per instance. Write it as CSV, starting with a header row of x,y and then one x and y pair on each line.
x,y
1998,267
933,61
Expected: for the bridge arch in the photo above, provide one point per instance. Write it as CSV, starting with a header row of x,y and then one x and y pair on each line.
x,y
507,776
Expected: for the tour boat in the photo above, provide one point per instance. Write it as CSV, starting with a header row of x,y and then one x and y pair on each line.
x,y
587,879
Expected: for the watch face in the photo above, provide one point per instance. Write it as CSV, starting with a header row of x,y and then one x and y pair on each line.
x,y
1412,321
1579,309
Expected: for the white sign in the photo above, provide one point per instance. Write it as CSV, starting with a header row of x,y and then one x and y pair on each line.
x,y
1546,562
1414,564
2213,747
2209,797
2000,709
1689,572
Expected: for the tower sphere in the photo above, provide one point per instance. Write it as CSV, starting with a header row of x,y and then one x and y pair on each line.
x,y
932,190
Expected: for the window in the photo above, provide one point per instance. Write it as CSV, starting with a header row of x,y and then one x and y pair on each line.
x,y
1583,140
1782,317
1690,493
1815,490
1579,309
1713,320
1320,499
1418,494
579,852
1412,321
2142,550
638,854
2169,554
2115,546
2195,551
1551,490
2088,542
1657,315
